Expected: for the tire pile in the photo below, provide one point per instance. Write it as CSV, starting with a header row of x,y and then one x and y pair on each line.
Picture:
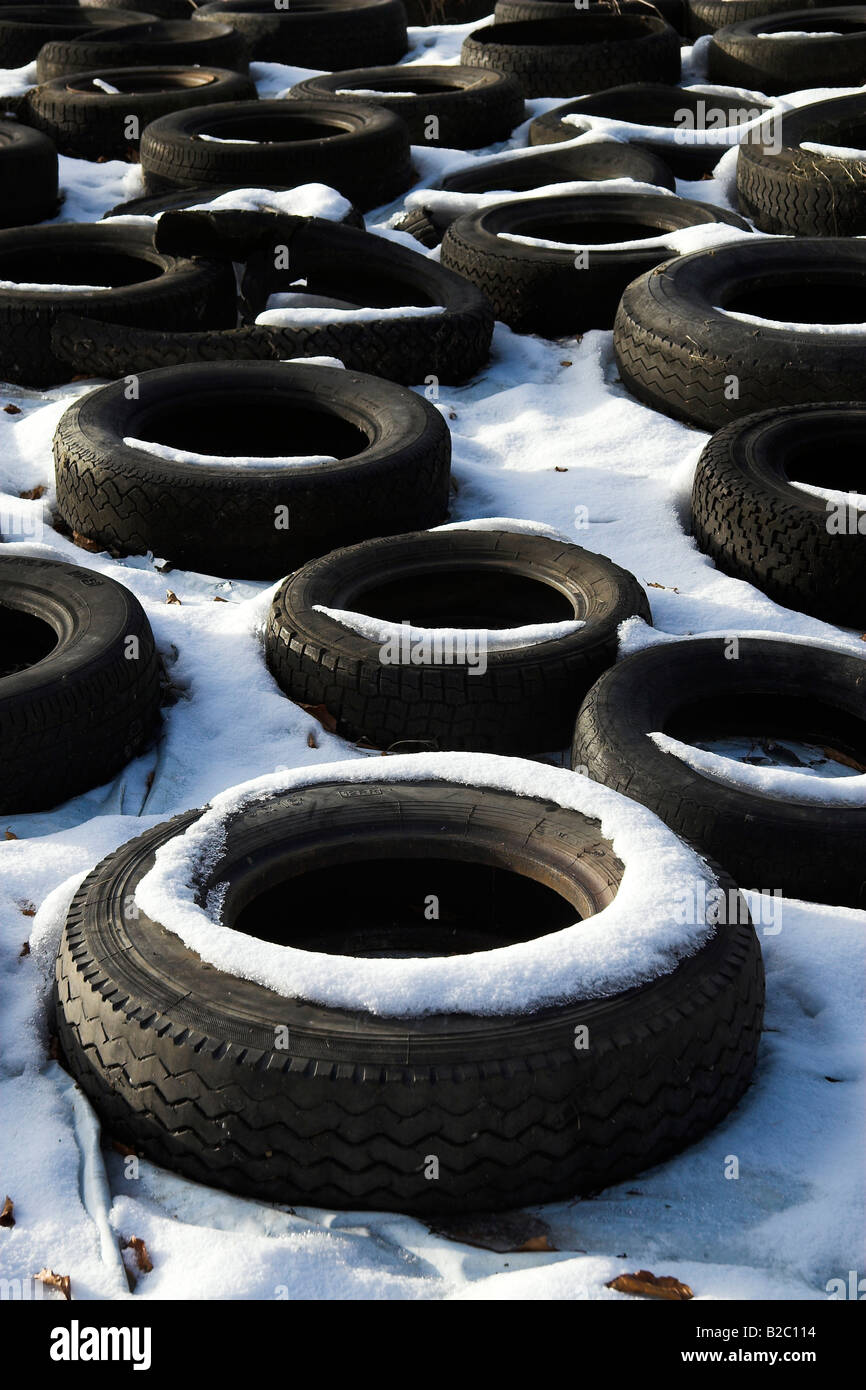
x,y
177,1057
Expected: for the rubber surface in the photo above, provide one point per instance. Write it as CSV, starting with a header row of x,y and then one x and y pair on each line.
x,y
329,34
28,176
739,56
161,42
25,28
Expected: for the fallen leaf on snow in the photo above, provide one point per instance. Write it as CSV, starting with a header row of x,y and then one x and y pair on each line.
x,y
10,835
6,1213
311,740
323,715
12,409
33,494
85,543
139,1250
171,596
28,910
55,1281
25,950
646,1285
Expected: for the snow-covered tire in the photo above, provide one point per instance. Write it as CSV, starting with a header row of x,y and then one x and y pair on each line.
x,y
800,549
706,16
89,123
28,176
151,289
328,34
682,354
161,43
183,199
473,107
693,689
185,1063
739,57
538,289
79,681
392,451
591,163
25,28
450,346
650,104
584,53
526,698
361,151
792,190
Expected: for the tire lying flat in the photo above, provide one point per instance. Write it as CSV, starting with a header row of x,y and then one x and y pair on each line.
x,y
197,198
89,123
739,56
25,28
335,260
542,289
707,16
188,1073
28,176
150,288
163,42
682,354
517,11
692,689
361,151
586,52
653,104
79,681
327,34
524,701
787,189
804,551
472,107
392,449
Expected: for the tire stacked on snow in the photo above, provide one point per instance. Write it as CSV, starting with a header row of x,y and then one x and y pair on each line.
x,y
785,188
391,448
806,551
149,288
692,689
708,16
79,681
24,29
197,198
557,290
525,699
517,11
88,122
180,1063
161,43
28,176
741,55
471,107
336,261
679,351
524,172
362,151
586,52
328,34
655,104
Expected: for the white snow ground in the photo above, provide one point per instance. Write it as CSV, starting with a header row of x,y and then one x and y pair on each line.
x,y
545,433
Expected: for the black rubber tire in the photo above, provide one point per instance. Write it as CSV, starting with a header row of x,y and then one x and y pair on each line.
x,y
327,34
792,190
535,289
163,9
426,12
692,689
393,450
757,526
88,123
473,107
707,16
450,346
679,353
737,57
585,53
180,292
75,716
182,199
525,700
525,172
366,158
518,11
25,28
180,1063
651,104
160,44
28,176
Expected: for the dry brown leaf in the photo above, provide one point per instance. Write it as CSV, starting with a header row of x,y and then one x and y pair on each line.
x,y
644,1284
10,835
836,756
217,599
28,910
171,596
11,409
323,715
139,1250
558,469
535,1243
25,950
311,740
55,1281
33,494
85,543
566,362
6,1213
